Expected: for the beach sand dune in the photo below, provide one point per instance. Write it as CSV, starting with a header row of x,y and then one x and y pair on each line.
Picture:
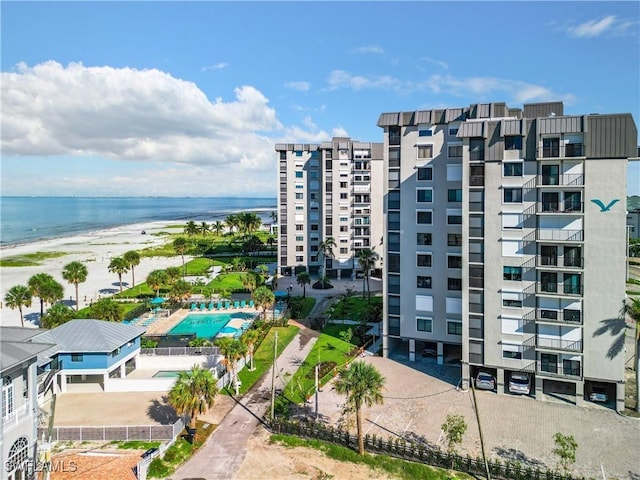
x,y
95,250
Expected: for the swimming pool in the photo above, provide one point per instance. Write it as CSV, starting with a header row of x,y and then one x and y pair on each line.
x,y
207,325
167,374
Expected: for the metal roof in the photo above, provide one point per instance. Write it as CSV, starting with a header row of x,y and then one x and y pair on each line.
x,y
78,336
387,119
15,353
18,334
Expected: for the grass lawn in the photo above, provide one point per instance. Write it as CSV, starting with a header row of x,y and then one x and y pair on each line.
x,y
395,468
263,357
29,259
331,353
229,281
352,308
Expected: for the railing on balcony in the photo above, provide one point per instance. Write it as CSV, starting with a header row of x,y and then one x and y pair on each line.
x,y
567,150
16,416
476,180
558,344
560,206
555,369
562,261
574,150
559,235
566,315
568,179
559,288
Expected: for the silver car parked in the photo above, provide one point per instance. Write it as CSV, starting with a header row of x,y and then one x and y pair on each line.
x,y
485,381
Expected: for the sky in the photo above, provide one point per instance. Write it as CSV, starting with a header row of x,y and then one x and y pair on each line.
x,y
190,98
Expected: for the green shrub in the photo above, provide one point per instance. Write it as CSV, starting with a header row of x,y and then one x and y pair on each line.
x,y
157,469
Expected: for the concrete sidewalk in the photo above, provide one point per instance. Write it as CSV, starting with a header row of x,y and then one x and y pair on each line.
x,y
225,450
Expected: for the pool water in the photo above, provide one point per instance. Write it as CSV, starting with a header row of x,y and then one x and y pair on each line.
x,y
167,374
206,325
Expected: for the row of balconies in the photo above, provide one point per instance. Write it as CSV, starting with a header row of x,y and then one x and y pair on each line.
x,y
557,150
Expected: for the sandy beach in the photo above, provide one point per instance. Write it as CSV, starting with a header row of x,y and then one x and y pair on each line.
x,y
95,250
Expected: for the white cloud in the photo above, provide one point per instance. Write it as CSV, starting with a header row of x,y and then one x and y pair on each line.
x,y
300,86
594,28
340,78
439,63
215,66
339,132
369,49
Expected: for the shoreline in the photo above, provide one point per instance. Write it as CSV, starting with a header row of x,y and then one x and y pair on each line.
x,y
95,250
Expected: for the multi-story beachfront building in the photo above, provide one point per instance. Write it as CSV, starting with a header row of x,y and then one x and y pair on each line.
x,y
504,243
329,190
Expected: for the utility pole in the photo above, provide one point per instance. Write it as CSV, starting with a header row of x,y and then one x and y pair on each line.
x,y
273,376
317,392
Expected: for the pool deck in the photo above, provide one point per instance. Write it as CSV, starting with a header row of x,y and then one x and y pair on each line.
x,y
163,325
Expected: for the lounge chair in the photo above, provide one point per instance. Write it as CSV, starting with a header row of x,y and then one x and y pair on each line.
x,y
251,304
210,306
227,305
236,304
203,306
243,304
193,306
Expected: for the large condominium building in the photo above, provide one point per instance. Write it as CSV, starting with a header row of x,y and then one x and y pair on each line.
x,y
328,190
504,243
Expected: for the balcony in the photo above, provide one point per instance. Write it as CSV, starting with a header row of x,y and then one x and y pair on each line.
x,y
476,180
559,235
561,262
560,180
15,418
555,206
545,343
555,150
566,316
553,288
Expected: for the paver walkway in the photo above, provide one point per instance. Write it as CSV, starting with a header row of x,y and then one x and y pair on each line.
x,y
225,450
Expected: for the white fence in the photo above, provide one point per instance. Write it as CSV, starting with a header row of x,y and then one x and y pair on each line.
x,y
160,384
104,433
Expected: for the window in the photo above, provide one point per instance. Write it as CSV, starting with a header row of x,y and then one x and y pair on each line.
x,y
299,258
425,132
453,130
343,184
7,397
454,239
424,260
454,284
76,357
394,157
423,238
512,273
549,282
513,195
425,173
513,142
18,458
344,228
512,350
393,262
299,207
423,282
298,174
395,134
423,217
455,151
314,227
344,196
454,261
299,238
344,251
423,324
454,219
512,169
454,195
299,196
511,247
454,328
299,248
454,173
424,195
299,227
512,299
425,151
476,149
511,221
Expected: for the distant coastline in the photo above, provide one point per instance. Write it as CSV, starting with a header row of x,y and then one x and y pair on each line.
x,y
28,220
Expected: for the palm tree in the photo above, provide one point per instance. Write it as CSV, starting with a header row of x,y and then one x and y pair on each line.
x,y
180,291
75,273
250,338
367,259
362,384
52,292
57,315
303,279
156,279
119,266
173,274
193,393
106,309
133,260
17,297
274,216
325,250
180,245
264,298
38,284
632,310
232,222
191,228
249,282
232,350
204,228
218,227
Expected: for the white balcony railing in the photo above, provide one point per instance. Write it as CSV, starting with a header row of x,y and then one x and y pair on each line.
x,y
16,417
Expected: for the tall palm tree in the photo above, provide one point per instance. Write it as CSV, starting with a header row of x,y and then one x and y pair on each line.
x,y
362,384
75,273
38,284
180,291
232,350
52,292
632,310
180,245
249,282
303,280
250,338
173,274
325,250
106,309
156,279
57,315
232,222
218,227
18,296
204,228
133,260
264,298
119,266
191,228
367,258
274,216
193,393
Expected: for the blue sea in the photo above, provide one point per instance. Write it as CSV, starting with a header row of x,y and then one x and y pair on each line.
x,y
31,219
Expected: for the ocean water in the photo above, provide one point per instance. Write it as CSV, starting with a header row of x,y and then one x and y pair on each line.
x,y
30,219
